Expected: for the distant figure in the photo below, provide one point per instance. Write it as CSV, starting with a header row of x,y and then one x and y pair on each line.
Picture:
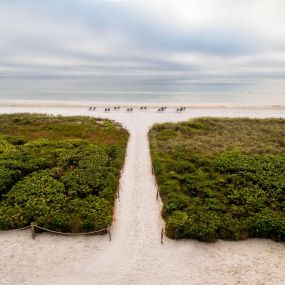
x,y
115,108
90,108
94,108
145,107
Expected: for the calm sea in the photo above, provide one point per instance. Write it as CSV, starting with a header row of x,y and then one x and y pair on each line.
x,y
267,92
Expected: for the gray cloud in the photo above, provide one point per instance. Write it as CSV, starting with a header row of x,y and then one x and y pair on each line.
x,y
119,38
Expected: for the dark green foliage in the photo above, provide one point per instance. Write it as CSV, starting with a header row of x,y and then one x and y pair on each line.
x,y
7,179
54,177
221,178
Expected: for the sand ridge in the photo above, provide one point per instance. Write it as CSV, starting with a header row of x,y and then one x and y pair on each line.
x,y
135,255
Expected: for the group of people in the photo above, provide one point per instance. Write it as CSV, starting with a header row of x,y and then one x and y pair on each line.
x,y
117,108
180,109
161,109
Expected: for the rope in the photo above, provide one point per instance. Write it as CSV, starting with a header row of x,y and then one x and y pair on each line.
x,y
157,187
60,233
73,234
20,229
163,232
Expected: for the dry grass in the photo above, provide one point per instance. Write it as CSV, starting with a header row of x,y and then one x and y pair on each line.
x,y
31,127
212,135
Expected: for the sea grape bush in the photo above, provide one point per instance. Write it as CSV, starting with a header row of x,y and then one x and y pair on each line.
x,y
60,177
221,178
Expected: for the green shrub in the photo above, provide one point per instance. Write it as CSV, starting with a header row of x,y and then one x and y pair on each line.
x,y
63,175
221,178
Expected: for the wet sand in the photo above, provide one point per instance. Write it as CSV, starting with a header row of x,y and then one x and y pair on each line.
x,y
135,255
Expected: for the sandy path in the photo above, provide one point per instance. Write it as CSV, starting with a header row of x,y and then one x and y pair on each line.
x,y
135,255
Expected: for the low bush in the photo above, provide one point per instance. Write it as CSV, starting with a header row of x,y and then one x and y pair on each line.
x,y
221,178
63,175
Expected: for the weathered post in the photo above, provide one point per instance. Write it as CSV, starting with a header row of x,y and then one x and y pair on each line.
x,y
109,232
33,230
161,236
157,193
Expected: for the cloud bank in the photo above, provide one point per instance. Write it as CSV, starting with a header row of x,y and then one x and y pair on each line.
x,y
148,40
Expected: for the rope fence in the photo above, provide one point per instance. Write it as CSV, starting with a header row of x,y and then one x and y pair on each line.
x,y
157,187
118,190
14,230
162,233
34,226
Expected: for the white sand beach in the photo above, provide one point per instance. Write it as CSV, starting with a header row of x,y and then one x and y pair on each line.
x,y
135,255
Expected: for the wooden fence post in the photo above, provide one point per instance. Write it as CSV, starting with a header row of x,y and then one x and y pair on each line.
x,y
33,230
161,236
157,193
109,232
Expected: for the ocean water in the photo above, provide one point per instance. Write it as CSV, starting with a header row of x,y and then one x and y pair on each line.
x,y
261,92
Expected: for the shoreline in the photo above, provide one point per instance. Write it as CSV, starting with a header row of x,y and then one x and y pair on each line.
x,y
101,104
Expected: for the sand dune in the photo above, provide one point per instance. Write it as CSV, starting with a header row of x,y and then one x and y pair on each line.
x,y
135,255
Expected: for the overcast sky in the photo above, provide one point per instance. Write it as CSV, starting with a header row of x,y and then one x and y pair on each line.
x,y
151,39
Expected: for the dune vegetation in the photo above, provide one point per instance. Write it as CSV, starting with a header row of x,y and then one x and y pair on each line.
x,y
221,178
61,173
